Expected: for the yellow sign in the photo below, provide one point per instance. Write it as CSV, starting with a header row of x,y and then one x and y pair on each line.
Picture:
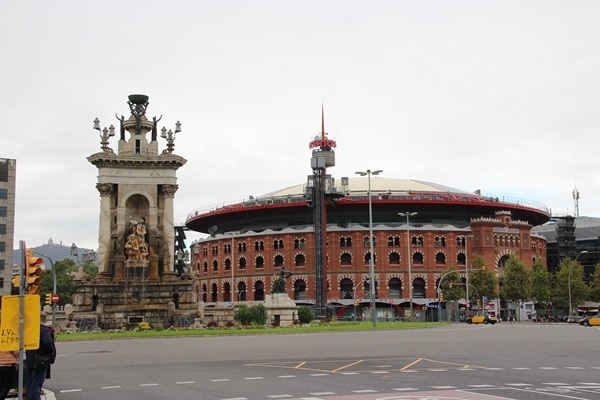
x,y
9,324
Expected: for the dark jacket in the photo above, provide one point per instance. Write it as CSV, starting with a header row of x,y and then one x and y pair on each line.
x,y
47,347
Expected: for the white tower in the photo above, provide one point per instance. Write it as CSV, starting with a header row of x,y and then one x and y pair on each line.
x,y
576,200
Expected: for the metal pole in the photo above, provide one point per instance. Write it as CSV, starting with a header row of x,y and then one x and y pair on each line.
x,y
371,264
410,285
233,289
467,273
22,284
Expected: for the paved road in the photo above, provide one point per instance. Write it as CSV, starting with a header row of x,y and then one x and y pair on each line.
x,y
512,361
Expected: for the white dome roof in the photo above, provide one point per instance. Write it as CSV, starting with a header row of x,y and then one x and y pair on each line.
x,y
378,185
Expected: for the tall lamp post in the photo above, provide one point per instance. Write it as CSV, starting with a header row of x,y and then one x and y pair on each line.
x,y
570,270
368,173
233,288
75,252
408,257
467,272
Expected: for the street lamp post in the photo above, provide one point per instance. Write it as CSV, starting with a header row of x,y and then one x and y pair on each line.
x,y
410,285
467,272
75,252
570,270
368,173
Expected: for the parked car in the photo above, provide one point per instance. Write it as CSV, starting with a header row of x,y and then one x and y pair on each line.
x,y
482,319
590,321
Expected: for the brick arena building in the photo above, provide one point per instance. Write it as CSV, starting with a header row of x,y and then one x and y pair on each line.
x,y
250,241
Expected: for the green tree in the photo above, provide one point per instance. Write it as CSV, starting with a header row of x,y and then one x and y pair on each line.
x,y
451,285
305,314
259,314
516,283
541,284
595,285
243,315
570,272
483,282
65,287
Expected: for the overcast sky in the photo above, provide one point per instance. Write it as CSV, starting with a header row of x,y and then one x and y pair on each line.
x,y
498,96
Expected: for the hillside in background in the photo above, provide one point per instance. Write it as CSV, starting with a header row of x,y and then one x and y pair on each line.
x,y
56,252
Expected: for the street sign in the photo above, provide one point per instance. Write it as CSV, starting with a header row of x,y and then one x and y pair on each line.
x,y
9,328
54,298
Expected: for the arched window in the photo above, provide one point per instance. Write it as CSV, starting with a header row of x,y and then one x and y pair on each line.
x,y
346,289
419,288
242,262
260,262
395,288
346,259
241,291
213,292
440,259
417,259
278,261
259,291
204,294
299,290
215,265
300,260
394,258
227,291
368,258
367,289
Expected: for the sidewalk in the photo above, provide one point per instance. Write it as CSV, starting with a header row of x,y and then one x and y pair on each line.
x,y
46,395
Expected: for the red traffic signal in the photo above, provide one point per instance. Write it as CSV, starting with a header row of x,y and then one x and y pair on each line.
x,y
33,271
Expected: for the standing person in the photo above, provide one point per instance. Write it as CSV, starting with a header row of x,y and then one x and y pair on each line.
x,y
36,374
8,368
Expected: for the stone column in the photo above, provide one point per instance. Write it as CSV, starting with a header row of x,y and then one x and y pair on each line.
x,y
104,235
168,192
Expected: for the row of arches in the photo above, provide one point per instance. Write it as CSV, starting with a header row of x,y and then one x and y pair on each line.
x,y
346,259
347,289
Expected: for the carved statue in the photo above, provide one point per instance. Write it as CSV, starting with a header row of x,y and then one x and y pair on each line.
x,y
136,246
279,284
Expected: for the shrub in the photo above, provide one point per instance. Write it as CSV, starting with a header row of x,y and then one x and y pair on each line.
x,y
212,324
242,315
144,326
305,315
251,315
259,314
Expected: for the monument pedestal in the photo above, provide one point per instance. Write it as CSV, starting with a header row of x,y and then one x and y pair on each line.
x,y
281,310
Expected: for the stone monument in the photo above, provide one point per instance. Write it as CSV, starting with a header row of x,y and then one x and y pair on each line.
x,y
281,310
136,280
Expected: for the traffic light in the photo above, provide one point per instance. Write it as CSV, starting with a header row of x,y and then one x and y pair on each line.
x,y
33,272
16,281
49,299
441,296
356,303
